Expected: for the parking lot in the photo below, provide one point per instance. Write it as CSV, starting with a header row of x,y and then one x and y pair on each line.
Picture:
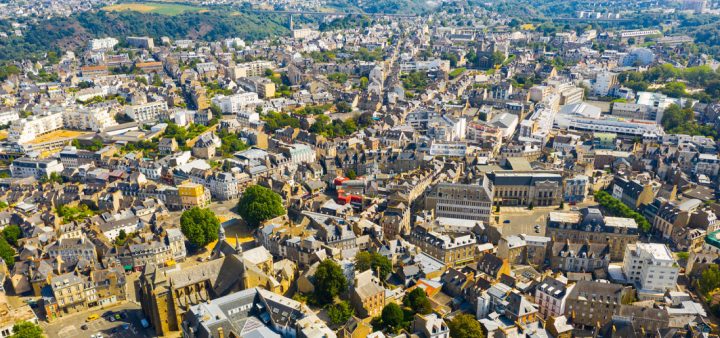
x,y
128,327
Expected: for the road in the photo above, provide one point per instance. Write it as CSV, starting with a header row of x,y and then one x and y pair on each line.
x,y
71,325
523,221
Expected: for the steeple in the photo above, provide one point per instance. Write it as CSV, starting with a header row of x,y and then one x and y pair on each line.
x,y
238,247
221,234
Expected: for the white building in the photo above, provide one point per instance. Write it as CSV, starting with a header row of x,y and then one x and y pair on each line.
x,y
233,104
97,119
584,117
8,116
38,168
551,295
146,112
425,66
27,129
604,83
105,43
651,266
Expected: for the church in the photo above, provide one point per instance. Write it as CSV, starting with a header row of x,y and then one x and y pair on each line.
x,y
167,293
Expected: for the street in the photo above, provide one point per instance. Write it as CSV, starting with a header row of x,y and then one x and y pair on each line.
x,y
71,325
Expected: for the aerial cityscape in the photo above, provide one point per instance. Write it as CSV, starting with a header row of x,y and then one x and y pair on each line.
x,y
354,168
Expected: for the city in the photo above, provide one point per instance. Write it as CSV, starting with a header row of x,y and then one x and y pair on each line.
x,y
334,168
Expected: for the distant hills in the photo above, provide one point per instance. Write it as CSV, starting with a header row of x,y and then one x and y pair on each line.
x,y
63,33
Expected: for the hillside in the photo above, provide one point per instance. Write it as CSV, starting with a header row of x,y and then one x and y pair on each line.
x,y
383,6
58,34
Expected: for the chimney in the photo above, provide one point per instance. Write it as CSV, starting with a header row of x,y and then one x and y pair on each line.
x,y
221,334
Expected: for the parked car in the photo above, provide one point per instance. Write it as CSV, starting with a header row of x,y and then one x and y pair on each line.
x,y
92,317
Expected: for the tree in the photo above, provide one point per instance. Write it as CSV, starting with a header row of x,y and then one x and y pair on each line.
x,y
216,110
200,226
351,174
392,316
157,80
378,263
12,233
418,301
26,330
339,312
7,253
465,326
259,204
709,280
122,235
329,281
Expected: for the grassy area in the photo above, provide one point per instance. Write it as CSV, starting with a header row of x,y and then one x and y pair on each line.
x,y
57,135
153,7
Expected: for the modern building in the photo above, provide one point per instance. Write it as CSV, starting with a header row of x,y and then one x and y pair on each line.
x,y
651,266
604,83
27,129
462,201
236,103
102,44
147,112
33,167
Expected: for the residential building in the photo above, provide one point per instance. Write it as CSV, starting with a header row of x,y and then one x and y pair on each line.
x,y
551,296
38,168
462,201
457,250
651,266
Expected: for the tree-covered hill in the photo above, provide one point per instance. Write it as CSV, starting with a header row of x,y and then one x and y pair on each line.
x,y
62,33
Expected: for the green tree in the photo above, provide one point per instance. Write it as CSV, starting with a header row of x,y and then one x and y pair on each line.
x,y
392,316
12,233
26,330
157,80
259,204
339,312
329,281
141,79
418,301
200,226
7,253
351,174
465,326
709,280
372,260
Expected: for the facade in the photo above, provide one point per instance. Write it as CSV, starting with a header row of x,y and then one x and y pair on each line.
x,y
38,168
551,296
27,129
462,201
651,266
576,189
367,295
579,256
450,250
147,112
104,43
260,85
431,326
590,225
236,103
590,303
519,188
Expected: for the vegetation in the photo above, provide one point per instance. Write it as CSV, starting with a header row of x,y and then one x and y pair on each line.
x,y
372,260
7,253
698,77
259,204
415,81
274,120
338,77
418,301
339,312
62,33
465,326
71,214
200,226
617,208
26,330
153,7
678,120
329,281
709,280
392,318
12,233
94,146
456,72
231,143
183,134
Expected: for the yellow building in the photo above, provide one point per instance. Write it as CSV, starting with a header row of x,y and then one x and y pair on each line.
x,y
193,195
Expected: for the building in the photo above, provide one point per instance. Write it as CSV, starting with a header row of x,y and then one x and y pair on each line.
x,y
193,195
146,112
33,167
525,188
576,189
551,296
430,326
236,103
253,312
583,256
101,44
590,225
604,83
260,85
651,266
590,303
89,119
71,250
462,201
367,295
140,42
450,250
9,316
27,129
